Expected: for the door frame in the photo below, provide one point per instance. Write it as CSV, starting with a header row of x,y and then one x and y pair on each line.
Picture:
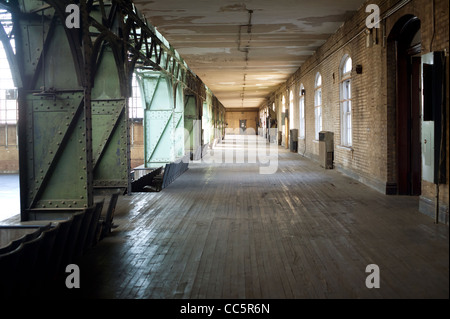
x,y
404,115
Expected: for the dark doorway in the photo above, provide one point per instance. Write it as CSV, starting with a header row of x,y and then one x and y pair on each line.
x,y
408,106
242,126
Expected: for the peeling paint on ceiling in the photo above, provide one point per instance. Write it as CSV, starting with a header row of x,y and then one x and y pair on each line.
x,y
241,63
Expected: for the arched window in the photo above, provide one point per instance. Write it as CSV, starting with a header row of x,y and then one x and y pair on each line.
x,y
291,110
301,103
318,105
346,101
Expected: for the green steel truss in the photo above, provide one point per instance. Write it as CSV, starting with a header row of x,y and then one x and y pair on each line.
x,y
163,119
74,86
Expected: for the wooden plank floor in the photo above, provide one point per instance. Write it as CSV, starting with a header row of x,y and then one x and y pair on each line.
x,y
226,231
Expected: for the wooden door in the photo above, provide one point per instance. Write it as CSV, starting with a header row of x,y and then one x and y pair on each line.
x,y
408,125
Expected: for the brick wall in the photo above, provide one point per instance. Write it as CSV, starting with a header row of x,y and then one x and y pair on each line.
x,y
9,154
372,157
232,118
9,160
137,144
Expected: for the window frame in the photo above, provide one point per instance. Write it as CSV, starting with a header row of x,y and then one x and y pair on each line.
x,y
318,118
301,108
291,109
135,104
345,101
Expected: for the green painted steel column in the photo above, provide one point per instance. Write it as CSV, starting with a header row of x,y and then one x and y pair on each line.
x,y
54,113
109,124
73,93
163,119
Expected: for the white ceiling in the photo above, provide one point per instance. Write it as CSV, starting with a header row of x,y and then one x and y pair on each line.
x,y
243,50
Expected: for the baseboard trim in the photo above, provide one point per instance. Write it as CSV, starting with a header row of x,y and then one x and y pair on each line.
x,y
428,207
373,183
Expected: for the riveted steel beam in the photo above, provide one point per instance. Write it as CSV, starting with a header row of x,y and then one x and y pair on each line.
x,y
54,112
163,119
54,154
74,86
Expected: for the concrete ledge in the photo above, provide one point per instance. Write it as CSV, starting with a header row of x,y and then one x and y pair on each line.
x,y
9,172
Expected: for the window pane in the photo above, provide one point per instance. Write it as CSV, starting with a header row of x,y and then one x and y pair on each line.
x,y
347,66
318,121
302,117
346,123
135,107
349,129
291,110
346,110
348,90
318,97
318,80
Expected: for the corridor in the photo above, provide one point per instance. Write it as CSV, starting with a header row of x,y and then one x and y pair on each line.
x,y
231,150
223,230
